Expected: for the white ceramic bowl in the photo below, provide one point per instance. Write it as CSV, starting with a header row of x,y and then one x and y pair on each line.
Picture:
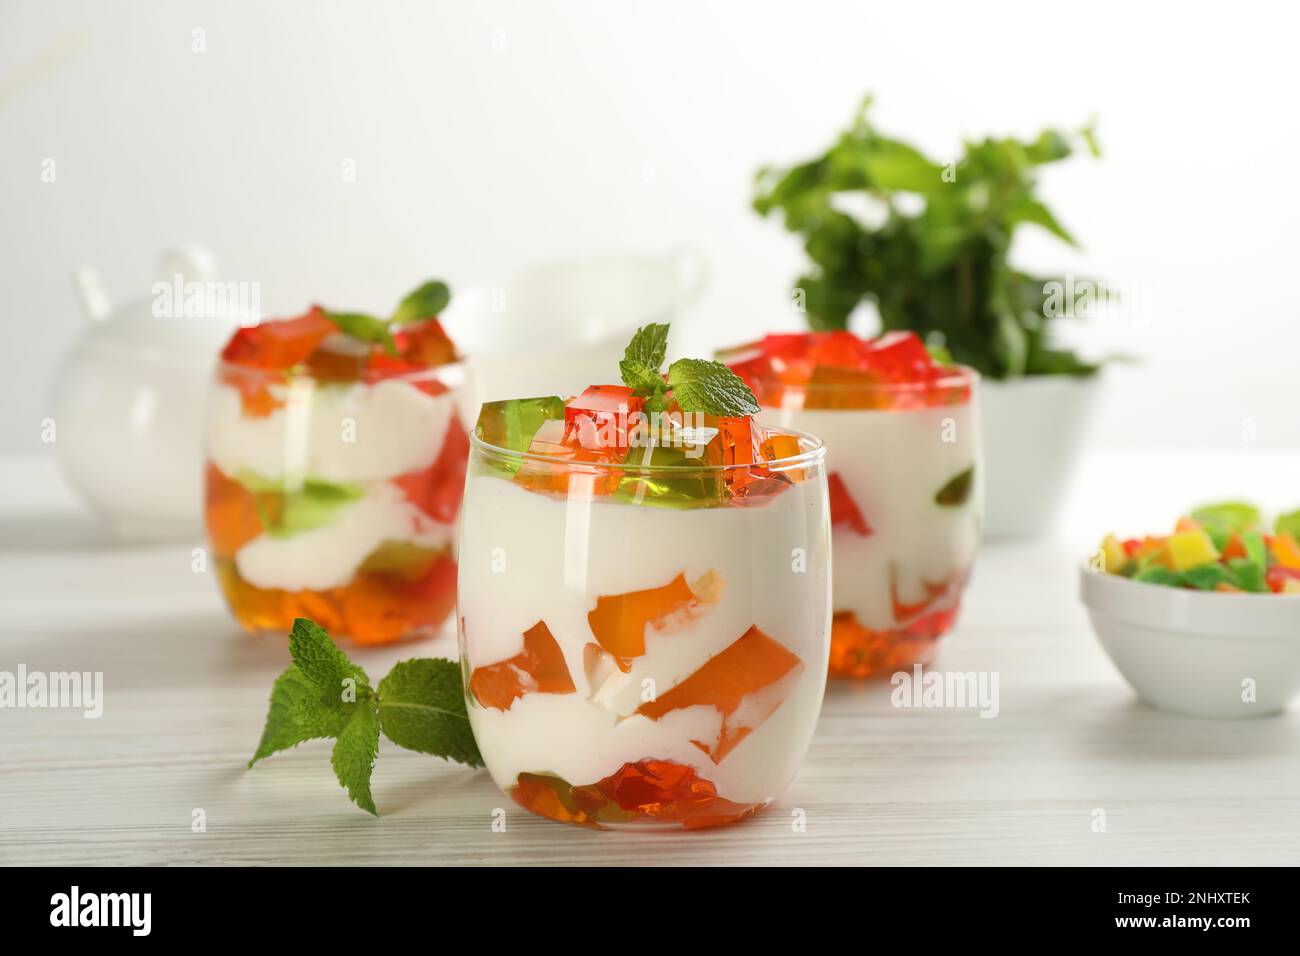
x,y
1198,652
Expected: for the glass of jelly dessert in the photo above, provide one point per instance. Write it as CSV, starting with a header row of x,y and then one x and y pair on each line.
x,y
335,468
644,606
903,438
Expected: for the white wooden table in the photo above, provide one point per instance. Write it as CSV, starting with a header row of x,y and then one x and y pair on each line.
x,y
186,692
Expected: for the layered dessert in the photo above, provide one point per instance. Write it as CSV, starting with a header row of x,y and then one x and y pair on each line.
x,y
904,477
644,604
1223,547
335,466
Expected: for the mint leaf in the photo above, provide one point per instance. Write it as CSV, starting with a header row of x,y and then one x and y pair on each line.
x,y
426,302
323,664
641,362
295,715
648,347
353,758
644,379
422,708
956,490
711,388
365,328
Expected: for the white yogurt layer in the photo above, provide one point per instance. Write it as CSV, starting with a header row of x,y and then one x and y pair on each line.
x,y
892,464
336,433
328,556
526,557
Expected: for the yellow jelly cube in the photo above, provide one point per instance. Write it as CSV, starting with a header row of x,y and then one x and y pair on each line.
x,y
1291,586
1113,554
1190,549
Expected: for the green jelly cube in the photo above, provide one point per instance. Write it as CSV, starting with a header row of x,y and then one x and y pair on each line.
x,y
511,424
1256,549
1289,524
1228,515
696,487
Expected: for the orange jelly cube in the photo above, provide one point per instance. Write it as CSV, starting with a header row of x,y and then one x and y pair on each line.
x,y
755,671
231,512
280,344
619,621
539,668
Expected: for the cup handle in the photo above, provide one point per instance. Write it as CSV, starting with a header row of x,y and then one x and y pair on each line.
x,y
692,269
94,300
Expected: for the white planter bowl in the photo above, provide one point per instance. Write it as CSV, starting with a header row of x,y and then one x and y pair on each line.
x,y
1034,431
1192,651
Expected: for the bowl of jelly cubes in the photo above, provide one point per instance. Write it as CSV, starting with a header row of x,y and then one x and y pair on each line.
x,y
1204,620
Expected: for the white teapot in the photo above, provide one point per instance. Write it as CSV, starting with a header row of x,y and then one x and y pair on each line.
x,y
129,397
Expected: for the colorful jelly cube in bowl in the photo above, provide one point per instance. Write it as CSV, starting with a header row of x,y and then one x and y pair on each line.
x,y
644,606
905,481
335,468
1205,619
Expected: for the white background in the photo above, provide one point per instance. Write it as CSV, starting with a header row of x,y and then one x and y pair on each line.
x,y
488,136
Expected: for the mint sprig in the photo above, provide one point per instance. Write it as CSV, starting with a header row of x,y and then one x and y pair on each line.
x,y
696,385
420,706
425,302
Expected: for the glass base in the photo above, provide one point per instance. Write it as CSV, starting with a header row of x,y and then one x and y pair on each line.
x,y
371,609
645,795
863,652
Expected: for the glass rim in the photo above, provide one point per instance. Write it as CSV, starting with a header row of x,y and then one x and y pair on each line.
x,y
955,375
812,451
279,374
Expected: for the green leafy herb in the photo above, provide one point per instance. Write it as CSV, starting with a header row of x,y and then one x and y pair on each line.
x,y
425,302
365,328
941,269
711,388
420,705
697,385
956,490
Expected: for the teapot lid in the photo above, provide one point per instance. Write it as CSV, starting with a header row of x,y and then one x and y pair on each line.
x,y
188,316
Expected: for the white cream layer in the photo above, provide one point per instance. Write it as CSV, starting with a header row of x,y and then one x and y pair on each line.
x,y
893,463
328,556
336,433
527,557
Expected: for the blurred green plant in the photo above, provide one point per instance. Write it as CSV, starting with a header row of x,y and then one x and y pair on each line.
x,y
934,266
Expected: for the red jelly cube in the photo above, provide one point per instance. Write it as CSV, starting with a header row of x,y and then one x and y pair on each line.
x,y
599,417
844,510
279,344
899,356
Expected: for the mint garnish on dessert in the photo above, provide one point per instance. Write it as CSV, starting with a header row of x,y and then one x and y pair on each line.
x,y
420,706
428,300
697,385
